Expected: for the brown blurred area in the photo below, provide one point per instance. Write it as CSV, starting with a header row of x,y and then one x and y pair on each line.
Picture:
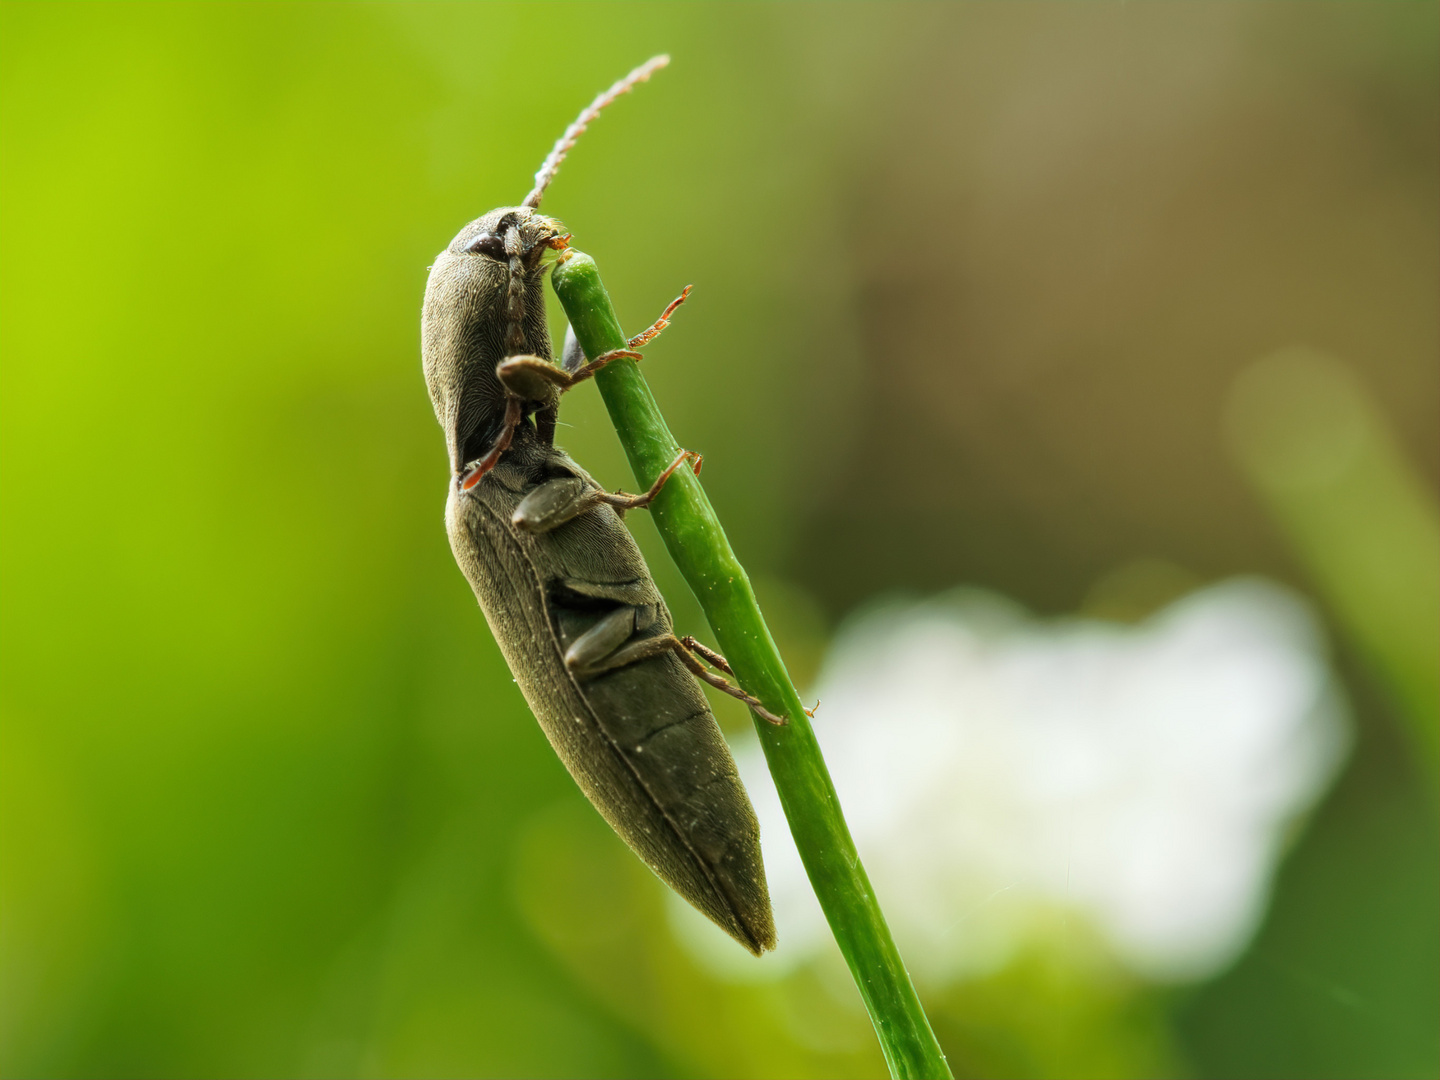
x,y
1064,239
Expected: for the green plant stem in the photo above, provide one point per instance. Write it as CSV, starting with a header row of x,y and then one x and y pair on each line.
x,y
697,543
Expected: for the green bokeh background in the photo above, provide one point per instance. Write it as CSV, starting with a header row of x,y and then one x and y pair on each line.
x,y
972,284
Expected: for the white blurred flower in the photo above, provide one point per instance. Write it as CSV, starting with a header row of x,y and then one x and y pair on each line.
x,y
1004,777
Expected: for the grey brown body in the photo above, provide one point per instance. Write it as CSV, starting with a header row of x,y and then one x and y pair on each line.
x,y
566,592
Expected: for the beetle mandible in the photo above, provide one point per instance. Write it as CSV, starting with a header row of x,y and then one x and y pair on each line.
x,y
564,588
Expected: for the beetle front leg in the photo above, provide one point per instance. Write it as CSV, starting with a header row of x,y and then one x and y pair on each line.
x,y
525,379
572,357
479,468
587,371
530,378
651,332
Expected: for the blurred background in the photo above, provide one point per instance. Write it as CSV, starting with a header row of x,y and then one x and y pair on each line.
x,y
1019,333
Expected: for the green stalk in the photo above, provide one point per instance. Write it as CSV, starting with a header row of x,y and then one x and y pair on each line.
x,y
697,543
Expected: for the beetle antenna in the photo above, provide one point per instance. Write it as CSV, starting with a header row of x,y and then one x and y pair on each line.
x,y
574,131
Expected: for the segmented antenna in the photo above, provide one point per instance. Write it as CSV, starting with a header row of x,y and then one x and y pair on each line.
x,y
574,131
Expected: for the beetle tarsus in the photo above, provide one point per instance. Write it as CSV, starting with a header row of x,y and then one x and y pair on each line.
x,y
573,357
684,650
651,332
713,658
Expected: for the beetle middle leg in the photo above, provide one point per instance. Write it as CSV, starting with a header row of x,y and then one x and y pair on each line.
x,y
557,501
611,644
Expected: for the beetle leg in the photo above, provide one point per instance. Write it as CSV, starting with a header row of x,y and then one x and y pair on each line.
x,y
525,378
713,658
531,378
572,357
477,469
553,503
598,649
622,502
651,332
639,341
585,372
610,644
682,649
557,501
630,653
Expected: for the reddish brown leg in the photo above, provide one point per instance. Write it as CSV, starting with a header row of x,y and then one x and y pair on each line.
x,y
485,464
648,335
713,658
622,502
645,336
683,651
583,373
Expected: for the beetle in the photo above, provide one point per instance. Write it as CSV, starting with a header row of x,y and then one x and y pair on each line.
x,y
562,584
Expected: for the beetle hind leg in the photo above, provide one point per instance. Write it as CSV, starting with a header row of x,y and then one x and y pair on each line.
x,y
709,655
687,648
611,644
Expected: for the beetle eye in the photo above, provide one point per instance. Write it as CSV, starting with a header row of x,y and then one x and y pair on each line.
x,y
485,244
